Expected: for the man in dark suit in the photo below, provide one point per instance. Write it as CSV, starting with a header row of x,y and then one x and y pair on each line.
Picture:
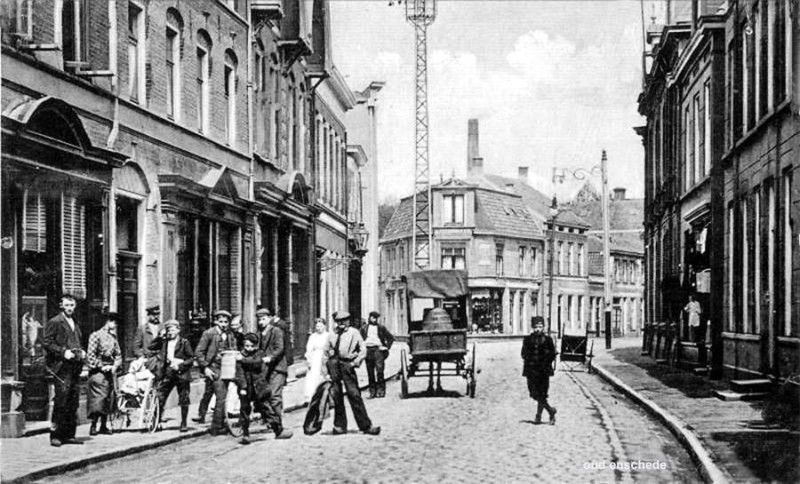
x,y
271,344
378,340
538,353
145,335
175,358
64,360
209,357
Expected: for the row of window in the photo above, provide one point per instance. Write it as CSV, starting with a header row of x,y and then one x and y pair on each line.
x,y
759,269
331,166
569,262
628,271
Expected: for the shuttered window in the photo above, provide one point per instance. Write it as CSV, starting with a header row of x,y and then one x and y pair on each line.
x,y
34,222
73,263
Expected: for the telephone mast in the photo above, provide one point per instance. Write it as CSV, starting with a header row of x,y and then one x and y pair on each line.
x,y
421,13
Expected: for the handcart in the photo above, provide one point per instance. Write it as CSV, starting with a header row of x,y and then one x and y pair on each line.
x,y
437,321
135,400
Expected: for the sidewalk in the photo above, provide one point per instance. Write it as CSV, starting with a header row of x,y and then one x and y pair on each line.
x,y
30,458
727,439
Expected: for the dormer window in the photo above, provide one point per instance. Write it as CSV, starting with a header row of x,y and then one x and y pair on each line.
x,y
453,209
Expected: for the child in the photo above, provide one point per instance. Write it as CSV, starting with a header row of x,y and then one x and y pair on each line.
x,y
251,380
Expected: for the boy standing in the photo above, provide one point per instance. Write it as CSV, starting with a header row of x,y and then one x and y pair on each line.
x,y
251,380
538,353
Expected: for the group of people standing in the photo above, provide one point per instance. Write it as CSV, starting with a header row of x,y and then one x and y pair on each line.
x,y
260,374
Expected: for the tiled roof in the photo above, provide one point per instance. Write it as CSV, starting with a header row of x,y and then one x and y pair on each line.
x,y
497,211
625,214
538,201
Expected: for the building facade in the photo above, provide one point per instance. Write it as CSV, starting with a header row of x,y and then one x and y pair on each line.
x,y
165,153
721,144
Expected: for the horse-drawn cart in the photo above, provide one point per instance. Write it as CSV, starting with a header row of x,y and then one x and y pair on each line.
x,y
438,302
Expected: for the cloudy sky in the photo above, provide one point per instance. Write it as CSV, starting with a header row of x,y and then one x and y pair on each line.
x,y
552,83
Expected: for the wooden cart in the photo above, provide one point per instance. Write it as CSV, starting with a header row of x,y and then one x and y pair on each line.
x,y
438,338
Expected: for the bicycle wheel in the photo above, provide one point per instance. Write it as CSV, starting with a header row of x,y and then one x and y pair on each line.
x,y
118,417
151,412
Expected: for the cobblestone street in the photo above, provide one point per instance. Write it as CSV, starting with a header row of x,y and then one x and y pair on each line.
x,y
443,438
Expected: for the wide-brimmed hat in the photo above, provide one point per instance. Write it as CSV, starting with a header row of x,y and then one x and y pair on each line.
x,y
111,316
154,310
222,312
341,316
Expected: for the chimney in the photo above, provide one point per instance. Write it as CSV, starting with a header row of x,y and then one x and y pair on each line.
x,y
473,153
523,174
619,194
476,168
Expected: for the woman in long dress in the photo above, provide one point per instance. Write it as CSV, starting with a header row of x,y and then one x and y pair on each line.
x,y
315,347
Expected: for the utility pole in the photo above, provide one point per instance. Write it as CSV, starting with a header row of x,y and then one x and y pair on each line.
x,y
553,215
606,252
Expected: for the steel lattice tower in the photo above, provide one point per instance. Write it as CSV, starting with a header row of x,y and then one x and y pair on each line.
x,y
421,13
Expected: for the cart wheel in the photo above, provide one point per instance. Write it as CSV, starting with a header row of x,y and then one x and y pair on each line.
x,y
151,412
118,418
403,374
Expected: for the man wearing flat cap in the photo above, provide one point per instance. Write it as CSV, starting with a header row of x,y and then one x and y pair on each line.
x,y
346,350
272,344
145,335
378,340
175,359
209,357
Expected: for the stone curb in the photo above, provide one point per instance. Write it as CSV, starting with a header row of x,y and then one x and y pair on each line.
x,y
119,452
709,470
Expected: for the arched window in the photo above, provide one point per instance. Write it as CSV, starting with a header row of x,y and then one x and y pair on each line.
x,y
203,75
173,51
231,63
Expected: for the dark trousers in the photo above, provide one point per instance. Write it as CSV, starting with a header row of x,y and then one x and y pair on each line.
x,y
65,404
205,400
246,405
538,386
220,388
273,407
171,380
375,364
343,373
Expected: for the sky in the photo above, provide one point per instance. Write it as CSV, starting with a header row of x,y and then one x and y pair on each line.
x,y
552,83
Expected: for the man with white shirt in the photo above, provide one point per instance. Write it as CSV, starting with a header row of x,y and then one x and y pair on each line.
x,y
175,362
64,360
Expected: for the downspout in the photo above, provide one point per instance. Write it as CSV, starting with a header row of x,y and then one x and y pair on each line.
x,y
111,246
255,246
112,66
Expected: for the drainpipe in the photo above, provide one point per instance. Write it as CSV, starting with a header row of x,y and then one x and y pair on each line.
x,y
112,66
111,214
250,39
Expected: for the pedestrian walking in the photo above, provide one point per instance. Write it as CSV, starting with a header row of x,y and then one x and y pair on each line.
x,y
209,357
145,335
272,342
379,341
176,358
64,361
251,380
315,355
103,357
346,350
538,354
693,311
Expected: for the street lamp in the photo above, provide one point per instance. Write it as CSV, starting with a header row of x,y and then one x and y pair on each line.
x,y
581,174
553,215
360,236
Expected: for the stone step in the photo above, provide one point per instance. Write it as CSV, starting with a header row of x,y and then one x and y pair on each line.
x,y
730,396
701,370
751,386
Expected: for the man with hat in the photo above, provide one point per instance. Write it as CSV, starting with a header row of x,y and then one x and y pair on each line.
x,y
209,357
175,358
145,335
346,350
272,344
103,357
378,340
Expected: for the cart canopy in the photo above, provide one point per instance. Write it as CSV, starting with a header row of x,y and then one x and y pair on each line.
x,y
438,284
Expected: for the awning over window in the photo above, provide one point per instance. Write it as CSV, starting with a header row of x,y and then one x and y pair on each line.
x,y
437,283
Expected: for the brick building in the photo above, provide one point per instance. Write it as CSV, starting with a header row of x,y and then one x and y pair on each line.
x,y
162,153
720,147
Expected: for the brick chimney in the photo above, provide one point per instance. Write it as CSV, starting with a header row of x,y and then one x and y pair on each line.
x,y
474,160
619,194
523,174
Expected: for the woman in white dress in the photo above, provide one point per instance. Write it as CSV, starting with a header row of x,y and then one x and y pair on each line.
x,y
315,349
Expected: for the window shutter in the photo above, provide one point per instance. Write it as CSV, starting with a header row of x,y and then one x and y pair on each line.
x,y
73,228
148,79
34,222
